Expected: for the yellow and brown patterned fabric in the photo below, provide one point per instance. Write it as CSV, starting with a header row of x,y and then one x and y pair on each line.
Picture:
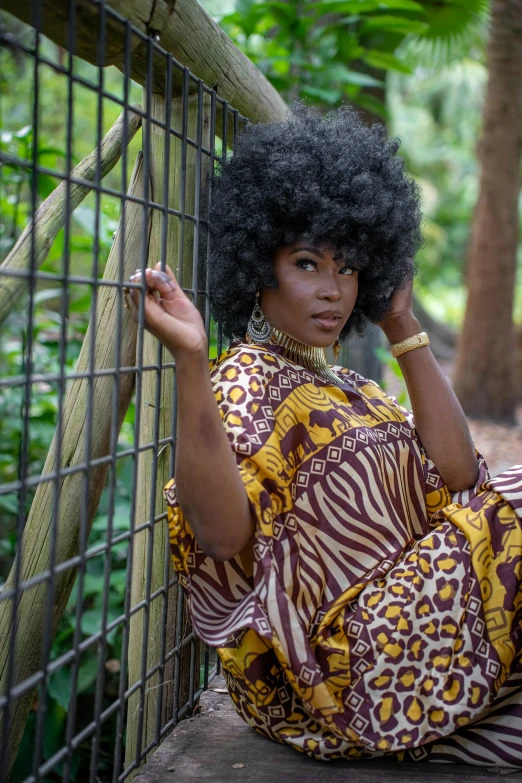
x,y
382,613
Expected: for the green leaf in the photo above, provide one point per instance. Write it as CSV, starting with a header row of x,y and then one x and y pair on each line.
x,y
80,304
59,686
60,681
275,6
119,580
91,622
52,151
402,5
345,76
46,294
119,551
65,632
385,61
92,584
120,519
53,728
343,7
321,94
24,758
9,503
24,132
394,24
371,103
451,21
86,217
45,185
88,673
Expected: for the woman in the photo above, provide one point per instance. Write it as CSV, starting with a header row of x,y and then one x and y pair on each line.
x,y
354,565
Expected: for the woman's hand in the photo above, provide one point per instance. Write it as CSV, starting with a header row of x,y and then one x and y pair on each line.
x,y
401,304
400,322
169,314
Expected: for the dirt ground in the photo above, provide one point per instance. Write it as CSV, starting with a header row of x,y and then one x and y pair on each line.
x,y
500,445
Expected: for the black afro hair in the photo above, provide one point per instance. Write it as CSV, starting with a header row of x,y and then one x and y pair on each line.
x,y
329,180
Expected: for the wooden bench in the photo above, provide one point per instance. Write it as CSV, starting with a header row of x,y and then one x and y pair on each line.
x,y
211,744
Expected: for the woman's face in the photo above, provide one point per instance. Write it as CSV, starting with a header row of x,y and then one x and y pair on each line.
x,y
316,294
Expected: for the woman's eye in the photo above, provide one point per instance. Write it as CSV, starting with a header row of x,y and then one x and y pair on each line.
x,y
347,270
304,262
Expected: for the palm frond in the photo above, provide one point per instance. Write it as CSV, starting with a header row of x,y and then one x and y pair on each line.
x,y
455,18
456,29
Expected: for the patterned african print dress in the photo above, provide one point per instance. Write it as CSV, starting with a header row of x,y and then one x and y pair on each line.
x,y
380,614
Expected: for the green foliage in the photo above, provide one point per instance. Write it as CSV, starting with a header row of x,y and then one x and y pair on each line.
x,y
437,113
333,51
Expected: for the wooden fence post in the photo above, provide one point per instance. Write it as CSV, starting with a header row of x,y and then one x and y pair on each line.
x,y
156,697
35,547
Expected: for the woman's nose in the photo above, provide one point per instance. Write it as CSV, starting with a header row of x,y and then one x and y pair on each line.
x,y
330,289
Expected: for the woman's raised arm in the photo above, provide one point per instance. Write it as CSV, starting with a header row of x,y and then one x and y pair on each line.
x,y
439,420
209,487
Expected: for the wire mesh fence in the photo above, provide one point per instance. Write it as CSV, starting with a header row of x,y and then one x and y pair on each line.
x,y
99,177
98,658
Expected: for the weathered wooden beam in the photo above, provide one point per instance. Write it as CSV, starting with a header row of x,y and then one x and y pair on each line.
x,y
185,30
34,550
51,215
155,699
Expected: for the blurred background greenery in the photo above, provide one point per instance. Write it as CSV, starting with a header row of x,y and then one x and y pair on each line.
x,y
418,67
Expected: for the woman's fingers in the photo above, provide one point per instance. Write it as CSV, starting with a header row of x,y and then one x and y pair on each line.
x,y
168,313
168,271
156,281
162,293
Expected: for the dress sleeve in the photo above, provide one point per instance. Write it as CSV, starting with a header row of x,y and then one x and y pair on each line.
x,y
436,492
438,495
220,594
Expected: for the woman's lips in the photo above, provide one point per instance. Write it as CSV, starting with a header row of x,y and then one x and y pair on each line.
x,y
329,324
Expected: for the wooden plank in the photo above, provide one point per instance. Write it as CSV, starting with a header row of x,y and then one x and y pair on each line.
x,y
184,29
207,746
51,215
155,700
34,550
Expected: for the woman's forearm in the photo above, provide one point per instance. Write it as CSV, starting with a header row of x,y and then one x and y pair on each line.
x,y
210,490
439,418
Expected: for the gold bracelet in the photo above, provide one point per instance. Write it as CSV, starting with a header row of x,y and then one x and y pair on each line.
x,y
409,344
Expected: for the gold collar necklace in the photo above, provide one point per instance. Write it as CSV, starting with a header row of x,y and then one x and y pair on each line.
x,y
306,356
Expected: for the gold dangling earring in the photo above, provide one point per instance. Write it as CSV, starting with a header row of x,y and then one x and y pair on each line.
x,y
336,348
259,330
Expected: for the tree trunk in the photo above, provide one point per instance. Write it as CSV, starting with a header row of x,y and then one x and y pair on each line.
x,y
443,339
485,373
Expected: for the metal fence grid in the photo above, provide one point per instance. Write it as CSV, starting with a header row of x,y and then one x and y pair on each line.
x,y
95,719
